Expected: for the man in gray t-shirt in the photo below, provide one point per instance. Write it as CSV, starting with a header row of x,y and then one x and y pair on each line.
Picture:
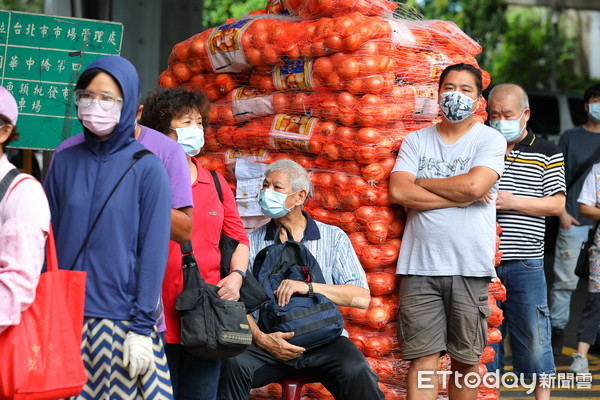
x,y
446,176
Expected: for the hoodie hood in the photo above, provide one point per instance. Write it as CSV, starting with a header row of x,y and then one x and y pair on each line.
x,y
127,77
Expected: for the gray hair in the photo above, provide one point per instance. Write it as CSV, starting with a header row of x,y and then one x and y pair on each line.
x,y
297,175
506,89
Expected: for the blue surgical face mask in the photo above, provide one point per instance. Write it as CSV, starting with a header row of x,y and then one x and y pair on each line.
x,y
191,138
456,106
509,128
272,203
594,111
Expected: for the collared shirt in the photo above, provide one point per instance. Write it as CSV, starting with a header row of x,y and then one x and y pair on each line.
x,y
533,169
330,246
211,218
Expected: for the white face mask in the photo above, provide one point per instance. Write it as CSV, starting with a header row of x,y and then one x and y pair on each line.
x,y
98,120
272,203
594,111
456,106
510,129
191,138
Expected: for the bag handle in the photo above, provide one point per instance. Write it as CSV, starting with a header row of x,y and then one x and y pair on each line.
x,y
192,278
592,232
7,180
51,258
277,238
137,155
217,184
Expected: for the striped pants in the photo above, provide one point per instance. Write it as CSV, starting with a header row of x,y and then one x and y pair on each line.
x,y
108,379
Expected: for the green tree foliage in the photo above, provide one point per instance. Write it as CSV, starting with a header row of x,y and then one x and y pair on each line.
x,y
483,20
525,54
517,42
33,6
215,12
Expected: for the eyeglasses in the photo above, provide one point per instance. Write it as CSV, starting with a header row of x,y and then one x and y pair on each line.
x,y
85,98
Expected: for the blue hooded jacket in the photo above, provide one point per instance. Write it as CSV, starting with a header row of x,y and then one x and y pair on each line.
x,y
126,254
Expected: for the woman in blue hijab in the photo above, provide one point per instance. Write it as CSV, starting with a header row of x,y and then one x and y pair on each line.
x,y
126,251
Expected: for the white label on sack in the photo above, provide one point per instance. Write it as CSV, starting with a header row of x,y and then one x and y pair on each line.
x,y
292,132
248,103
437,63
426,105
401,34
224,47
257,155
249,178
293,75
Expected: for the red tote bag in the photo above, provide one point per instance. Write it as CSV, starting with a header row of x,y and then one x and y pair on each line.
x,y
40,358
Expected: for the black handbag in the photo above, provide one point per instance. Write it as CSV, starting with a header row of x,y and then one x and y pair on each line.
x,y
252,293
582,268
211,327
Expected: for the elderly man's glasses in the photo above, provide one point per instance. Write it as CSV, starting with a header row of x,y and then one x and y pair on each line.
x,y
85,98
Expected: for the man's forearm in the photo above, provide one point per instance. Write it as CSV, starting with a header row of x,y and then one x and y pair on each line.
x,y
589,212
457,188
256,332
420,198
540,207
347,295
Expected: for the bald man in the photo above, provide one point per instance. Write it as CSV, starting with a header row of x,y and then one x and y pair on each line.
x,y
531,188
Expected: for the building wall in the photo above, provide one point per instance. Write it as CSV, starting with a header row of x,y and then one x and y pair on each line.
x,y
150,28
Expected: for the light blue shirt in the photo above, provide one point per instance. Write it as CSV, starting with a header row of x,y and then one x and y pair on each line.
x,y
330,246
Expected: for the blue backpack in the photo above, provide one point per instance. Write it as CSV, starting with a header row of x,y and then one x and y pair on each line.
x,y
315,320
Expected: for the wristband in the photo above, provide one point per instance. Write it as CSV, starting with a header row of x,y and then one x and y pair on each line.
x,y
239,271
311,293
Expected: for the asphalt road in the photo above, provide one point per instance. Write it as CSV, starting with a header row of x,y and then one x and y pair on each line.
x,y
567,385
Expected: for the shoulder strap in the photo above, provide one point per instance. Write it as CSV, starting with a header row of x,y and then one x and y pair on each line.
x,y
277,238
594,229
217,184
7,180
588,163
136,157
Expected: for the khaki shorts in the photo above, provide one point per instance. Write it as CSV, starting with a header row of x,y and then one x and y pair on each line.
x,y
443,314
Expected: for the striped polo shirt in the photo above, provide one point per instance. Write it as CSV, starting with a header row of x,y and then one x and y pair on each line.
x,y
534,168
330,246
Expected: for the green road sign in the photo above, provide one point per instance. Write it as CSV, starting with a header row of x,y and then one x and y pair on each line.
x,y
41,57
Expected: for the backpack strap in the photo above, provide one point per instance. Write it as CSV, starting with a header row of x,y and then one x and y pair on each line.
x,y
259,260
588,163
7,180
260,257
290,316
277,238
315,326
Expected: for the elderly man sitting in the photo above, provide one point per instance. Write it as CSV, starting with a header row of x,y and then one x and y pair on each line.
x,y
339,365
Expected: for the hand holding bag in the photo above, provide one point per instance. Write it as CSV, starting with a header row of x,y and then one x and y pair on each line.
x,y
252,293
211,327
582,268
41,357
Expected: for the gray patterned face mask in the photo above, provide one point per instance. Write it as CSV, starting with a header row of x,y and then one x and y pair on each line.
x,y
456,106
